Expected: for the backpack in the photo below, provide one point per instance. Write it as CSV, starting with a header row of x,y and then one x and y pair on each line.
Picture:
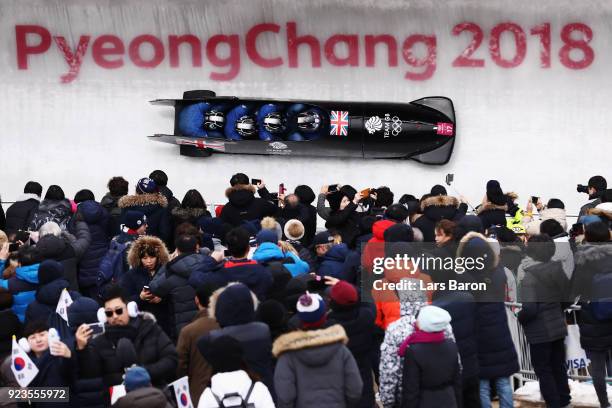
x,y
112,265
244,403
601,296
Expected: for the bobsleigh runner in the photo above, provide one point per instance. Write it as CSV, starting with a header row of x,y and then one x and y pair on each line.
x,y
422,130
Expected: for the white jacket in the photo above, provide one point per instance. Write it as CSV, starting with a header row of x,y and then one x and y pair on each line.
x,y
235,381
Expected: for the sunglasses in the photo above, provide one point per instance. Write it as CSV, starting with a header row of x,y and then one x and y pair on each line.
x,y
118,312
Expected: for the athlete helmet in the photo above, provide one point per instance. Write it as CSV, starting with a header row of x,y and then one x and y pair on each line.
x,y
214,120
273,122
309,120
245,126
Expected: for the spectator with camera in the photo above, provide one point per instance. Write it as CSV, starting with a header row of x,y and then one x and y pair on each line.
x,y
242,204
117,188
594,188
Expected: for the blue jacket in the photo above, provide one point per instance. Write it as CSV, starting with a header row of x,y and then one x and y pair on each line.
x,y
269,251
46,298
340,262
97,219
23,288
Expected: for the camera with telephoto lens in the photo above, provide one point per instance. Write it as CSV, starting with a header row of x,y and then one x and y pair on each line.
x,y
581,188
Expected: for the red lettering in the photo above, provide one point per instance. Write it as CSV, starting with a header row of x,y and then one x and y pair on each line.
x,y
352,44
543,31
293,42
428,61
519,41
251,46
158,51
24,49
585,35
175,41
73,59
107,45
464,59
233,60
370,49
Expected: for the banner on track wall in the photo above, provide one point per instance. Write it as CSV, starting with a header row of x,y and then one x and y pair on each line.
x,y
529,81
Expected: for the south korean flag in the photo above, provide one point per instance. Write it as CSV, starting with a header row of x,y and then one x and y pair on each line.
x,y
62,305
22,366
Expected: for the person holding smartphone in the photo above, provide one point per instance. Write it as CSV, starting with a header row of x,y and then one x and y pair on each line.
x,y
345,219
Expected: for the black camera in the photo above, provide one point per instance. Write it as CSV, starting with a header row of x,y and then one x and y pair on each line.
x,y
581,188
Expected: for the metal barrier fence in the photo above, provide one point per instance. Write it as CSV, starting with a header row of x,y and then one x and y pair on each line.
x,y
526,371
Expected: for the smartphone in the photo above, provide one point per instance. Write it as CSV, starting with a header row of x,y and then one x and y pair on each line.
x,y
449,178
145,287
22,236
332,188
534,200
13,246
96,328
227,253
281,188
316,283
255,181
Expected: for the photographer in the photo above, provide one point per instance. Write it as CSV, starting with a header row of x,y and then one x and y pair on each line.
x,y
344,219
596,186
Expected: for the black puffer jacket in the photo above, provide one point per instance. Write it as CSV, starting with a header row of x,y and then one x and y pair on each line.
x,y
111,205
590,260
346,223
541,292
58,211
492,214
242,205
171,283
67,249
97,219
435,209
20,214
154,206
154,351
462,308
358,323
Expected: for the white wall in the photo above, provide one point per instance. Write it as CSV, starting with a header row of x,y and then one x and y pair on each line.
x,y
538,130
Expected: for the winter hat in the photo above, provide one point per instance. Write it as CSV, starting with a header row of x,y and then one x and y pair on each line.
x,y
305,194
272,312
146,186
294,230
399,233
476,247
343,294
433,319
224,353
467,224
135,219
234,305
82,310
334,200
397,213
438,190
322,238
310,308
266,235
294,289
252,227
271,224
136,377
6,299
495,194
49,271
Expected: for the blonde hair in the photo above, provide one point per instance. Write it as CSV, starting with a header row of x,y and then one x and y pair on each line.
x,y
3,238
287,247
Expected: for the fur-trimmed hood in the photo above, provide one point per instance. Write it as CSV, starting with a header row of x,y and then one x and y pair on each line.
x,y
440,201
299,340
143,200
600,212
593,253
471,235
490,207
189,213
241,195
157,244
238,307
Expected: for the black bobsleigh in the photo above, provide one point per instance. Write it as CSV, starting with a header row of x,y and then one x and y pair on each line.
x,y
422,130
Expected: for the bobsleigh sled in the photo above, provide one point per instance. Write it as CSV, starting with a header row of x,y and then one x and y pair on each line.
x,y
422,130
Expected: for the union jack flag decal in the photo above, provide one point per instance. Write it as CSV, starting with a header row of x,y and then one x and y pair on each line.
x,y
202,144
339,121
